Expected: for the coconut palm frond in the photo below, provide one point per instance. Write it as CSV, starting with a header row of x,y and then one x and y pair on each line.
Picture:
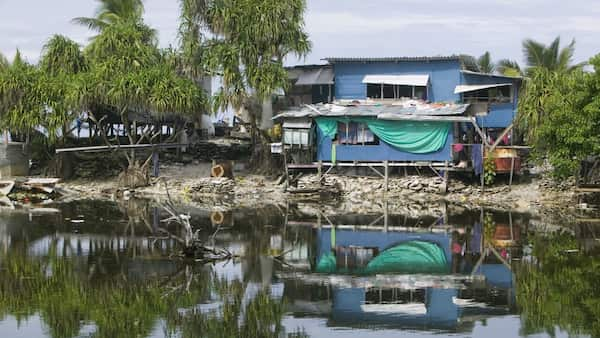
x,y
508,68
485,64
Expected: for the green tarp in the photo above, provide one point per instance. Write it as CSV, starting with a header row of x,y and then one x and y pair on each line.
x,y
408,257
417,137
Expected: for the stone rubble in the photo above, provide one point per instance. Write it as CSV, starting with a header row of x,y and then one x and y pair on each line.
x,y
212,185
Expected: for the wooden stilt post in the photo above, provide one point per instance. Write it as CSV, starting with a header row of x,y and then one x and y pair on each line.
x,y
155,163
512,169
482,168
385,216
320,170
285,167
446,175
386,170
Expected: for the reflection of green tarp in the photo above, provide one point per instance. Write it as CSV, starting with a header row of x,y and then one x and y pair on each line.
x,y
326,264
408,257
417,137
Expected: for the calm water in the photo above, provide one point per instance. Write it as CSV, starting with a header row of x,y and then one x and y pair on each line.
x,y
103,269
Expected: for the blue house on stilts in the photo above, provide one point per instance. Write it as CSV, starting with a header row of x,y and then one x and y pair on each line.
x,y
405,112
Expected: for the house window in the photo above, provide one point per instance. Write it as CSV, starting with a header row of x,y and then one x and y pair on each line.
x,y
387,91
489,95
354,133
373,91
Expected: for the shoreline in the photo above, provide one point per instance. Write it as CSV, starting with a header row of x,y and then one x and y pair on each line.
x,y
536,196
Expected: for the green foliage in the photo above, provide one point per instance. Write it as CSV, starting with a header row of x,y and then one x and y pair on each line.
x,y
62,55
550,57
508,67
560,290
113,11
129,72
251,40
485,64
489,170
21,96
559,112
67,297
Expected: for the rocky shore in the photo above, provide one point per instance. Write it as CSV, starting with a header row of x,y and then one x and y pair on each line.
x,y
535,195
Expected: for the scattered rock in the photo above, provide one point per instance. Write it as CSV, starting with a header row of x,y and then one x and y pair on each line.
x,y
213,185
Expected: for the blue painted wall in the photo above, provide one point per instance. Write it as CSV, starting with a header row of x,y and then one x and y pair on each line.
x,y
441,310
500,115
382,240
444,76
380,152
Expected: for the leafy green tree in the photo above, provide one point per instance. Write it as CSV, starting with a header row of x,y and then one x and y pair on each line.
x,y
61,62
112,11
21,92
561,112
251,40
130,75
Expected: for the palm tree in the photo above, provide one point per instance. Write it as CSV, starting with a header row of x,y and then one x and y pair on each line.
x,y
509,67
550,57
485,64
112,11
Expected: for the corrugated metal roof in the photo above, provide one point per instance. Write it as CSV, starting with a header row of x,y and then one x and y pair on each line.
x,y
392,59
404,80
374,110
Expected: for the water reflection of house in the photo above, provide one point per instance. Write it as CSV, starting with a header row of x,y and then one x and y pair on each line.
x,y
402,277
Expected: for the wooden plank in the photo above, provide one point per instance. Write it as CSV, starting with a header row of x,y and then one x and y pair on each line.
x,y
303,166
117,147
42,181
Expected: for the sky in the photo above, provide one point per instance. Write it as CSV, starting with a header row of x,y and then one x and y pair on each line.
x,y
351,28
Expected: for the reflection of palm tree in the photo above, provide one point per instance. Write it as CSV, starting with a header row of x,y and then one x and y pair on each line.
x,y
112,11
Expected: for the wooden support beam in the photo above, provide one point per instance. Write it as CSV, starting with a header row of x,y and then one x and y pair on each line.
x,y
446,176
376,171
479,131
386,169
497,142
512,169
320,170
117,147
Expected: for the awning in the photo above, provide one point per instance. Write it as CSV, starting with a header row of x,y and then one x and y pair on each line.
x,y
298,124
404,80
321,76
471,88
